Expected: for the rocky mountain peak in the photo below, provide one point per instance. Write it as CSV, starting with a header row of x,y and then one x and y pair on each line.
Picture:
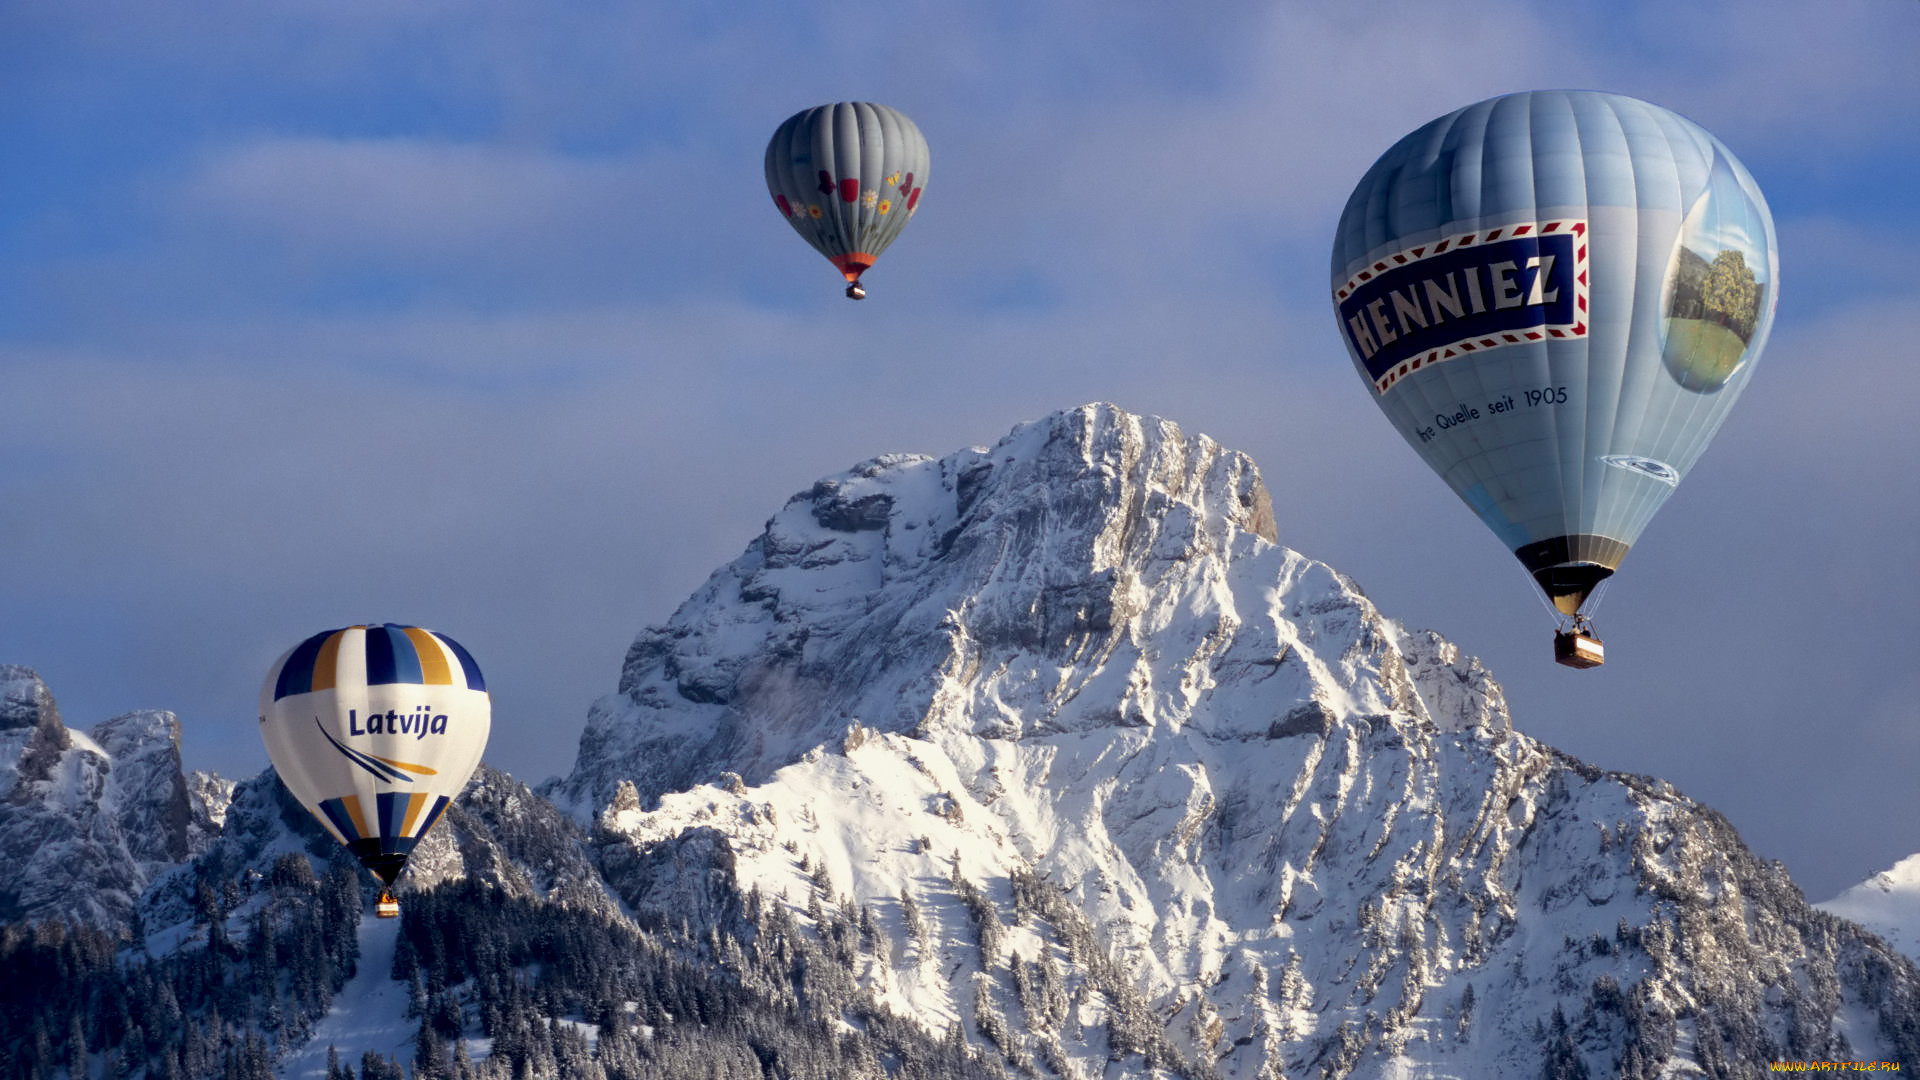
x,y
89,817
1050,544
32,738
25,701
1070,689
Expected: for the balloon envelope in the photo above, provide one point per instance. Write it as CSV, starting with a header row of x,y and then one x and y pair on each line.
x,y
1556,297
848,177
375,729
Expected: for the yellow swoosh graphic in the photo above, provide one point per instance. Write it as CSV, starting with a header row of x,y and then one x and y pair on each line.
x,y
407,765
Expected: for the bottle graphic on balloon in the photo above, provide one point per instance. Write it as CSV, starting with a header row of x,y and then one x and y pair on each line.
x,y
375,730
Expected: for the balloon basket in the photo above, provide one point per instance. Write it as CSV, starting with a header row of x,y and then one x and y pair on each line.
x,y
1578,648
388,907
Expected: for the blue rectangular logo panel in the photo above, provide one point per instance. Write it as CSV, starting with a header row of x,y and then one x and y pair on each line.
x,y
1465,294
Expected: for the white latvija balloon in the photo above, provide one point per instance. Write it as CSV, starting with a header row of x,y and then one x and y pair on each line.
x,y
375,729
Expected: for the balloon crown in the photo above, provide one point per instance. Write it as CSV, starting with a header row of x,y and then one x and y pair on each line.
x,y
387,653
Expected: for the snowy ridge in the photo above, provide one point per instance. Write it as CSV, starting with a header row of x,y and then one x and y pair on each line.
x,y
1888,903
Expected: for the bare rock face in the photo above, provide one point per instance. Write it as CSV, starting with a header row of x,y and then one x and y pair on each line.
x,y
151,801
32,738
25,701
870,592
208,797
1063,713
87,819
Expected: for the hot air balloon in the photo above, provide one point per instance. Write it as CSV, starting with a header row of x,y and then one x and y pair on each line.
x,y
375,729
848,177
1555,297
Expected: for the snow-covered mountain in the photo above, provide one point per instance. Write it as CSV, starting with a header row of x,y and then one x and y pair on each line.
x,y
1069,689
1050,750
89,817
1888,903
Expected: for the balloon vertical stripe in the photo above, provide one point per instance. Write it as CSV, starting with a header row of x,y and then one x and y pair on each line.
x,y
433,815
334,815
296,668
326,662
469,670
432,659
392,806
357,813
346,816
416,802
389,661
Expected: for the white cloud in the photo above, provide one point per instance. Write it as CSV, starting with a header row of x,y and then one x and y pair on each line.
x,y
408,197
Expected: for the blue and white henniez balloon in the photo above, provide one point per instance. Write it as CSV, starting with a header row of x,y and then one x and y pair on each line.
x,y
1556,297
375,729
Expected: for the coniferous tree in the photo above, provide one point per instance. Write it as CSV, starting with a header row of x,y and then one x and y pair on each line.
x,y
375,1066
76,1047
1562,1060
40,1053
134,1047
194,1058
430,1060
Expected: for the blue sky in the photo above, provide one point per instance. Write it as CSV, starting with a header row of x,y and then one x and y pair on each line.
x,y
477,316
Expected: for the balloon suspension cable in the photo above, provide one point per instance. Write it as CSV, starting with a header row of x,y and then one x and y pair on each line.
x,y
1581,622
1592,607
1547,602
